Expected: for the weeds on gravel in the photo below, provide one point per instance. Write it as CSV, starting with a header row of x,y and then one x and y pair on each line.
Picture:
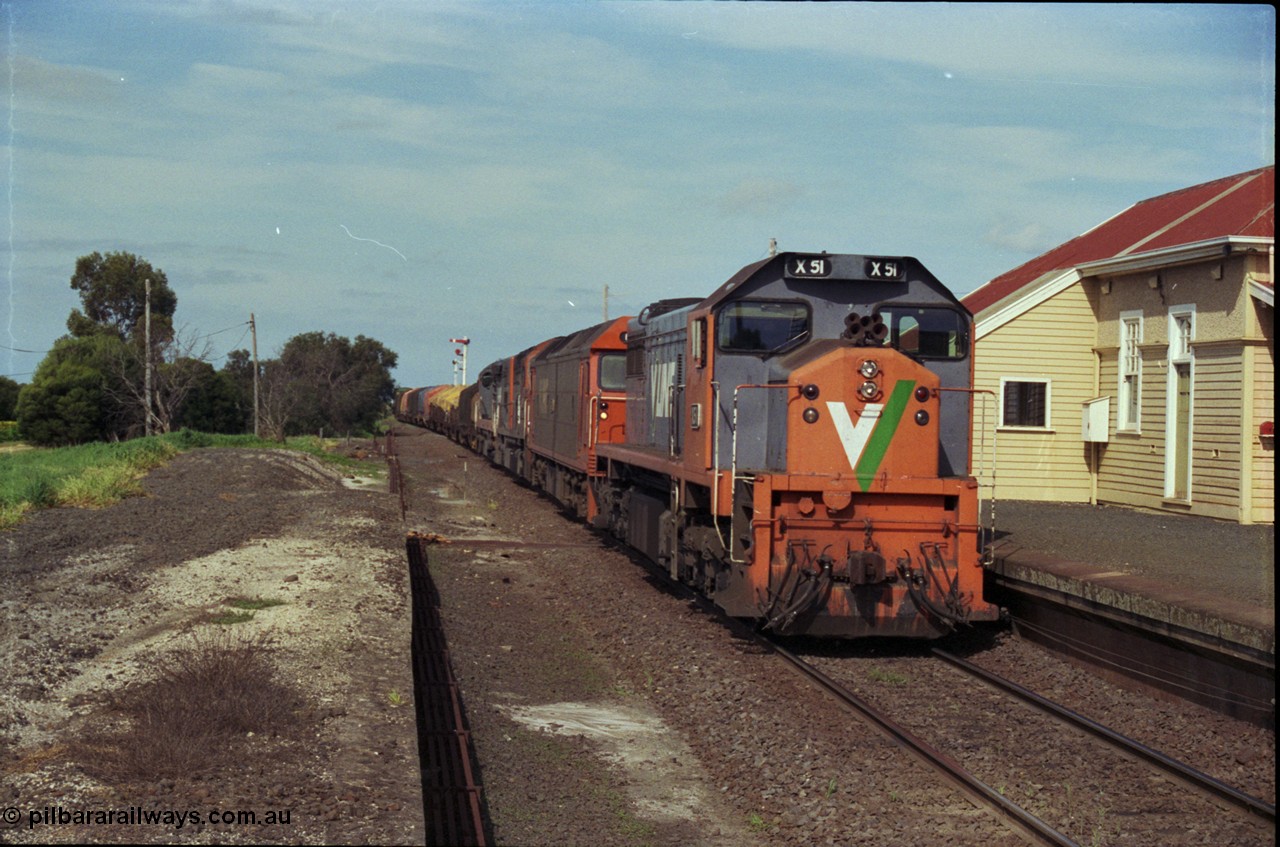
x,y
254,604
91,475
1094,818
889,677
203,698
229,618
632,829
243,609
99,474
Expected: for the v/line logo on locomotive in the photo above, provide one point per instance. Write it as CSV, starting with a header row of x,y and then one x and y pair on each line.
x,y
795,444
866,443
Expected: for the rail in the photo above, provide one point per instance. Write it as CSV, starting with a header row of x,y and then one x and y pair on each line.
x,y
1190,776
952,770
451,798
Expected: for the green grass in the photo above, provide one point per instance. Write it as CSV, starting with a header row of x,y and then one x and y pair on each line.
x,y
254,604
228,618
99,474
889,677
90,475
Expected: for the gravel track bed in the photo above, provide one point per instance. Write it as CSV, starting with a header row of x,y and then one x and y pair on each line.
x,y
1238,753
97,601
772,760
760,756
1072,781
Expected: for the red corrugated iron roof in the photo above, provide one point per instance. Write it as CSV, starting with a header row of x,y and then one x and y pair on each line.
x,y
1240,205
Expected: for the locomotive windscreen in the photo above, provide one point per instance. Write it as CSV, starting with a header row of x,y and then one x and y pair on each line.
x,y
758,326
927,332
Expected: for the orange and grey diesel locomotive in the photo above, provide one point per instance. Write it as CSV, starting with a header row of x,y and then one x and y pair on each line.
x,y
796,445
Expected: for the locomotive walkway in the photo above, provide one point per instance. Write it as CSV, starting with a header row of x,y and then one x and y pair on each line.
x,y
1184,603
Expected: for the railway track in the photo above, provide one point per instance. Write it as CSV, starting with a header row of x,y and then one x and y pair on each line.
x,y
1256,817
1198,780
940,761
980,742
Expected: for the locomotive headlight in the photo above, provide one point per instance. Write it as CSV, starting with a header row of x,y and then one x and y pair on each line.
x,y
868,390
869,369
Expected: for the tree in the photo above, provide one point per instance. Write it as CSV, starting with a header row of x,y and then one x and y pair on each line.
x,y
279,398
174,371
69,400
237,378
325,381
213,404
113,292
8,398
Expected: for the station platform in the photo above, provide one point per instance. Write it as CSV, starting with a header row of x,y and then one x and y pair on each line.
x,y
1185,603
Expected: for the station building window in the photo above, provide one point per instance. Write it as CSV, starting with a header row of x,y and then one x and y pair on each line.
x,y
1130,387
1024,403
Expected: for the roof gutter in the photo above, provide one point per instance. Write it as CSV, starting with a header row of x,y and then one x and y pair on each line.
x,y
1000,313
1181,254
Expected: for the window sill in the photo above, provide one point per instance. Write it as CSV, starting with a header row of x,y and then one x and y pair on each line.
x,y
1042,430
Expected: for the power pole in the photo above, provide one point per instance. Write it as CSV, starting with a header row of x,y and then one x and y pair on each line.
x,y
253,331
146,388
606,302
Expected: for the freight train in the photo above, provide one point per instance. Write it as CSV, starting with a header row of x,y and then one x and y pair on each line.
x,y
795,446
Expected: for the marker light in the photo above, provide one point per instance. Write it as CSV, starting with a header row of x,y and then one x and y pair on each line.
x,y
810,415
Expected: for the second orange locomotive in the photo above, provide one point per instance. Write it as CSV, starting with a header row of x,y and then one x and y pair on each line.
x,y
796,446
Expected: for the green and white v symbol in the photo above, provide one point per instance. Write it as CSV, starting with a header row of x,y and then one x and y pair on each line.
x,y
866,442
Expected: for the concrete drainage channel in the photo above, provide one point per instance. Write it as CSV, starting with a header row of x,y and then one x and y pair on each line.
x,y
452,801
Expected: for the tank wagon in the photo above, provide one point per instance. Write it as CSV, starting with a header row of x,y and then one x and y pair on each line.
x,y
795,446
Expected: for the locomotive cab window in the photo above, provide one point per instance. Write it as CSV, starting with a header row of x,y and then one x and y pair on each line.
x,y
613,371
761,326
927,332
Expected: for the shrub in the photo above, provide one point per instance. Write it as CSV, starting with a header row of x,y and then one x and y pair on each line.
x,y
185,720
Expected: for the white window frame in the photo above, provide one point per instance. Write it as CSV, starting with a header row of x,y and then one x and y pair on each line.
x,y
1129,393
1179,354
1047,426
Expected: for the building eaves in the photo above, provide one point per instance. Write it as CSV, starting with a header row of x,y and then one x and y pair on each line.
x,y
1240,205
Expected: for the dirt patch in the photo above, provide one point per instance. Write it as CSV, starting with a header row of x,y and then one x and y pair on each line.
x,y
101,605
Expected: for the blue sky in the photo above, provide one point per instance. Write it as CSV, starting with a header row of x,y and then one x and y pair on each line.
x,y
418,171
